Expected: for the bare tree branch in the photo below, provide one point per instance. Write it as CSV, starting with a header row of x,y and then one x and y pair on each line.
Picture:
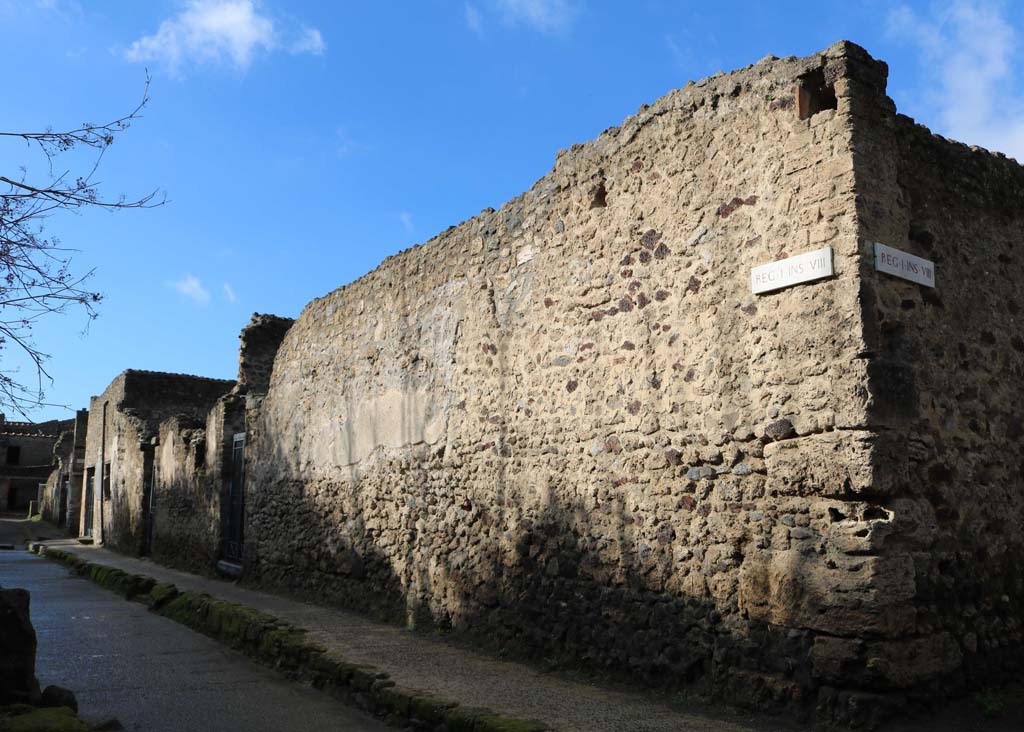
x,y
36,278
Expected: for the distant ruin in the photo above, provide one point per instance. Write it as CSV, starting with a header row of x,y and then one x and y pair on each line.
x,y
26,460
571,429
61,502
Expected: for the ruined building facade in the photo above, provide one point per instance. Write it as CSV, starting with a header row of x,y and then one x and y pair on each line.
x,y
163,463
130,426
26,459
570,429
61,502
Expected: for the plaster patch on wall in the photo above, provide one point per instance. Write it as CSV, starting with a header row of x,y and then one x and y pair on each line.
x,y
391,419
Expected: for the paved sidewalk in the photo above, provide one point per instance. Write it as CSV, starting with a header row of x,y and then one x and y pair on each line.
x,y
431,665
154,675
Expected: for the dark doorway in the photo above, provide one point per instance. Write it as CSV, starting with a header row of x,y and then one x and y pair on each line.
x,y
62,501
90,480
235,521
148,499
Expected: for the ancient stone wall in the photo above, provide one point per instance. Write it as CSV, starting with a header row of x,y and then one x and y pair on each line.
x,y
51,500
168,442
567,426
164,395
35,450
946,369
62,499
26,457
184,532
120,445
75,474
97,447
260,340
192,467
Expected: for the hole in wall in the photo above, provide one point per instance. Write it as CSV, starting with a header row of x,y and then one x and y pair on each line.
x,y
835,515
599,196
920,235
941,472
930,298
814,94
875,512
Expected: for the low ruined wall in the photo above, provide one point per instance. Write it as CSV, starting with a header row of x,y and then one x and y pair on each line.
x,y
49,502
568,428
61,499
122,508
186,515
192,465
122,425
98,450
61,455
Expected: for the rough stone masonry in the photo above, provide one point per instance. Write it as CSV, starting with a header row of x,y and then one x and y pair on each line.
x,y
569,428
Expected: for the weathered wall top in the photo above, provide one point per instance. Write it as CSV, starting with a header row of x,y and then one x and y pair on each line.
x,y
81,425
152,396
51,428
260,340
151,390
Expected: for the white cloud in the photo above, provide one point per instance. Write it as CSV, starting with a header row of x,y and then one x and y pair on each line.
x,y
968,53
310,41
215,31
542,15
473,19
406,218
192,288
229,293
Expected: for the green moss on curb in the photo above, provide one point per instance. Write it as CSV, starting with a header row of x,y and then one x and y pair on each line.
x,y
431,708
497,723
25,718
363,677
396,700
160,594
283,646
463,719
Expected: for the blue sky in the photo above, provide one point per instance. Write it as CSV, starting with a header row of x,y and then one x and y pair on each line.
x,y
300,143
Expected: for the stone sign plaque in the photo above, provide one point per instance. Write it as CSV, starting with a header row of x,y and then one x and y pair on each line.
x,y
900,264
801,268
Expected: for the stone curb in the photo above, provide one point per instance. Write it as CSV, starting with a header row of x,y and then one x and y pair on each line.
x,y
284,647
